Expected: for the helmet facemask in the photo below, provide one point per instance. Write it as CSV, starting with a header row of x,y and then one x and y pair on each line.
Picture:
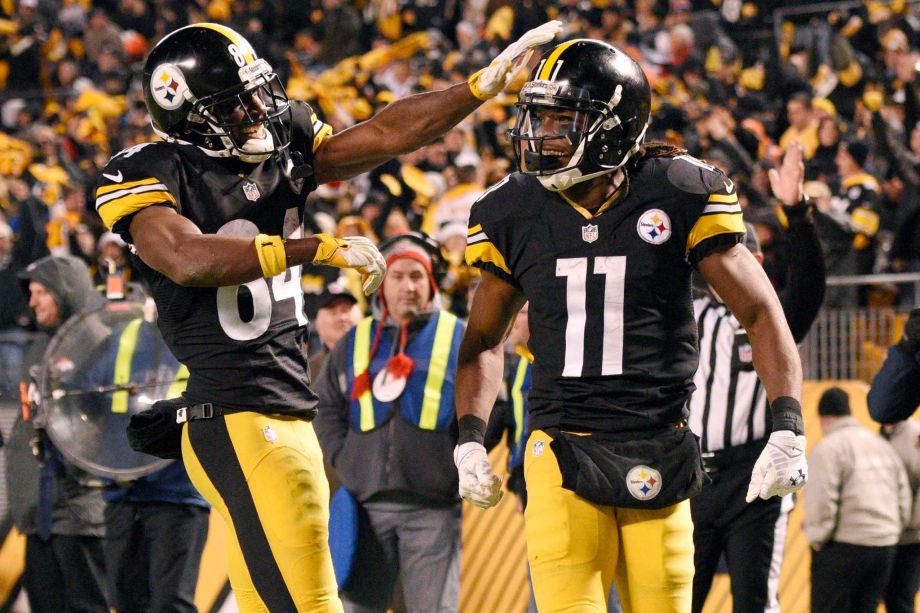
x,y
251,121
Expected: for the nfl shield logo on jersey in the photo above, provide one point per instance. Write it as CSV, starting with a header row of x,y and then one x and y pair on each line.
x,y
654,226
589,233
252,191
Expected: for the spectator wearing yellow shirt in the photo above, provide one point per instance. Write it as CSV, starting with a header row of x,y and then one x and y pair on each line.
x,y
803,127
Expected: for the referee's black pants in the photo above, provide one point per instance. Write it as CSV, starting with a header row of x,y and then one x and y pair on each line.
x,y
751,536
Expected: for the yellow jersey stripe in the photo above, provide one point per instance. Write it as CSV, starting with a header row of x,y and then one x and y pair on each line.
x,y
437,368
360,362
474,229
551,61
108,189
127,344
320,137
485,251
723,198
112,211
708,226
235,38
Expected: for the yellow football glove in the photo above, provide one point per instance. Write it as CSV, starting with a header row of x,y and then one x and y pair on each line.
x,y
352,252
488,82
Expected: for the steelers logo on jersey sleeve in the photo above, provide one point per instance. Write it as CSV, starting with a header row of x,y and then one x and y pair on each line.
x,y
654,226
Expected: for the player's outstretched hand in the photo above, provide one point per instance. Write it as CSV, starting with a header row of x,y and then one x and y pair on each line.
x,y
478,485
352,252
781,468
488,82
787,181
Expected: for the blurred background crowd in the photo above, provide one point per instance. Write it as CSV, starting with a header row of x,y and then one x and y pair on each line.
x,y
734,82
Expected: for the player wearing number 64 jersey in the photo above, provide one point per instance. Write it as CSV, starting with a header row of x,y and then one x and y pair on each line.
x,y
600,233
215,213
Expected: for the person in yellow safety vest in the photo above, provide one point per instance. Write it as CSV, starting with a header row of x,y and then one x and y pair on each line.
x,y
386,422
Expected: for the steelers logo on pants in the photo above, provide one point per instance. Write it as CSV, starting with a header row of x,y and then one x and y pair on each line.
x,y
643,482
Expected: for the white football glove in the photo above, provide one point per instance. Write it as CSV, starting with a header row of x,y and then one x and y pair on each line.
x,y
492,79
478,485
352,252
781,468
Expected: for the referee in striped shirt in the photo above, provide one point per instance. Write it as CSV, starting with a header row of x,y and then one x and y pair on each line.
x,y
728,411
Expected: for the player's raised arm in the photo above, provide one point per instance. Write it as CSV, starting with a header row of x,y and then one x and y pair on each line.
x,y
411,122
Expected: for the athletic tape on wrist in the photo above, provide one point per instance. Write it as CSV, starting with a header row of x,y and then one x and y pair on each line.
x,y
272,257
786,414
325,249
472,430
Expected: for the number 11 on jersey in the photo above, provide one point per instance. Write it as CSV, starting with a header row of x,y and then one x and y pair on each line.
x,y
575,270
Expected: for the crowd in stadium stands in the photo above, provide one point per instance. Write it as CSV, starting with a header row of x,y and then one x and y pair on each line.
x,y
726,87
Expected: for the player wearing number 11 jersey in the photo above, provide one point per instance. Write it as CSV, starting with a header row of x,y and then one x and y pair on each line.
x,y
600,234
216,213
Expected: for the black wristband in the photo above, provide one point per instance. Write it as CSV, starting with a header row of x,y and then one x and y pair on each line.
x,y
786,412
472,429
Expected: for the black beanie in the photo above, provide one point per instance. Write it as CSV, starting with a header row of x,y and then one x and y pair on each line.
x,y
834,403
858,149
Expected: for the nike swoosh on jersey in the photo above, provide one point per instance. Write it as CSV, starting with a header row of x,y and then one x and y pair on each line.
x,y
116,177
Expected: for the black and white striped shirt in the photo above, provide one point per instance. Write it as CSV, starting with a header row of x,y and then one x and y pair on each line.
x,y
729,406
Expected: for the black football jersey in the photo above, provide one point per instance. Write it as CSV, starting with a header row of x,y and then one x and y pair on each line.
x,y
243,344
611,318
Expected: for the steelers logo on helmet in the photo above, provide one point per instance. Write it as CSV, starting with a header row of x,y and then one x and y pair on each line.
x,y
168,86
643,482
654,226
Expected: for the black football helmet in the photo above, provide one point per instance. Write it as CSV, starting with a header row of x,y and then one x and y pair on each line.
x,y
583,95
204,85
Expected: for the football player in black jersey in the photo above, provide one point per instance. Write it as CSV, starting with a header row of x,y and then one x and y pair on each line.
x,y
216,215
600,233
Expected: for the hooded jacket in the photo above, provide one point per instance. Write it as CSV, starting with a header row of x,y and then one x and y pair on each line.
x,y
78,509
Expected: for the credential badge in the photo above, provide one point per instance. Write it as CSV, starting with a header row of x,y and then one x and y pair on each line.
x,y
589,233
252,191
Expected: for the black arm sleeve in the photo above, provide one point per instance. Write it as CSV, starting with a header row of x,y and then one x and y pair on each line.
x,y
806,277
